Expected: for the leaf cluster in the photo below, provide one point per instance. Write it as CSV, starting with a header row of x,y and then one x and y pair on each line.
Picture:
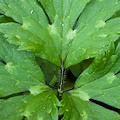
x,y
59,59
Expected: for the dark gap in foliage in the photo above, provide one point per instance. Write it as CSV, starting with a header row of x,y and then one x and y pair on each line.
x,y
59,96
117,14
60,117
116,42
105,105
80,67
24,118
69,89
76,22
107,20
49,70
49,21
117,73
5,19
1,14
15,94
2,61
73,73
53,87
69,81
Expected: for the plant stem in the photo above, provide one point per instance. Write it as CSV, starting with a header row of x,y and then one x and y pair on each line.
x,y
61,83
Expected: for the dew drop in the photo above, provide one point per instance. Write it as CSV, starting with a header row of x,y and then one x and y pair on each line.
x,y
31,11
62,25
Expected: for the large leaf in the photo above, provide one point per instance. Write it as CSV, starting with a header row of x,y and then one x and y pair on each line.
x,y
22,85
76,106
40,107
31,32
62,31
101,83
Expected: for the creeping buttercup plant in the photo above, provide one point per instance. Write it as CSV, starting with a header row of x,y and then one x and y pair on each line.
x,y
42,42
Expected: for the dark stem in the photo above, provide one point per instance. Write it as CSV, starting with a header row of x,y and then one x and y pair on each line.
x,y
62,78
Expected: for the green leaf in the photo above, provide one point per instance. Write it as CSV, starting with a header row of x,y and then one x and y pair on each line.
x,y
100,82
21,76
49,70
31,30
105,89
76,106
20,69
33,107
62,31
79,68
4,19
93,27
84,48
102,64
116,68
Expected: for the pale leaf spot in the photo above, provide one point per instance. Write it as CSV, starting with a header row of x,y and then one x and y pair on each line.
x,y
84,96
116,2
49,111
81,94
100,23
35,90
71,34
111,78
27,114
101,0
26,25
52,29
66,110
84,115
103,35
9,67
17,36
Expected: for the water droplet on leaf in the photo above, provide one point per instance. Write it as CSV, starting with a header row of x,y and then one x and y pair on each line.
x,y
31,11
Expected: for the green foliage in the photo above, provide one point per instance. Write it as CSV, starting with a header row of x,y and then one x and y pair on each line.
x,y
41,41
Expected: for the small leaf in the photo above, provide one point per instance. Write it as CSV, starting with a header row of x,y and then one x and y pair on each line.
x,y
101,65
